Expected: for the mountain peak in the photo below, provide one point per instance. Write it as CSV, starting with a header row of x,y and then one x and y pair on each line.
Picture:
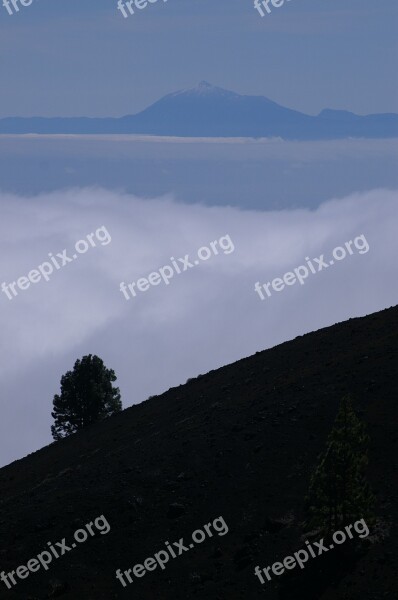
x,y
204,89
204,84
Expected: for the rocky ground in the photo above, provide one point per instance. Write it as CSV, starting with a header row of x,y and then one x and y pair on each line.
x,y
239,442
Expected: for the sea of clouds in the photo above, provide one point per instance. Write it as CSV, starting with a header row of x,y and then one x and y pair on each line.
x,y
207,317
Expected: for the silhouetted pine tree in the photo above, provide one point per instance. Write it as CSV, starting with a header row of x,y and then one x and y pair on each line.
x,y
86,396
339,493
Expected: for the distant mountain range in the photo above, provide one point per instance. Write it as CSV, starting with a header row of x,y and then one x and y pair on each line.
x,y
209,111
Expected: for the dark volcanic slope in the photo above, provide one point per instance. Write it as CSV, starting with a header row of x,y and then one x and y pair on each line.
x,y
238,442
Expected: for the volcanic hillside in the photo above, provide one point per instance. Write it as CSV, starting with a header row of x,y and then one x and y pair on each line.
x,y
241,443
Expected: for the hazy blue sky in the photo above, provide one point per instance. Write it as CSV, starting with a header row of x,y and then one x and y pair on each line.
x,y
81,57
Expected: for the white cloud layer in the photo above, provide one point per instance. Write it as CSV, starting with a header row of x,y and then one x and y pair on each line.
x,y
207,317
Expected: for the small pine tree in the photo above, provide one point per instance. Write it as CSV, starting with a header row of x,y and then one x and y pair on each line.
x,y
87,396
339,493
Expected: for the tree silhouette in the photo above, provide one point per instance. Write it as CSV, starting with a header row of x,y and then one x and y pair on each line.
x,y
339,493
87,396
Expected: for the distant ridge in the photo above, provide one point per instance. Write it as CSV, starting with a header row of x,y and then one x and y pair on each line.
x,y
210,111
